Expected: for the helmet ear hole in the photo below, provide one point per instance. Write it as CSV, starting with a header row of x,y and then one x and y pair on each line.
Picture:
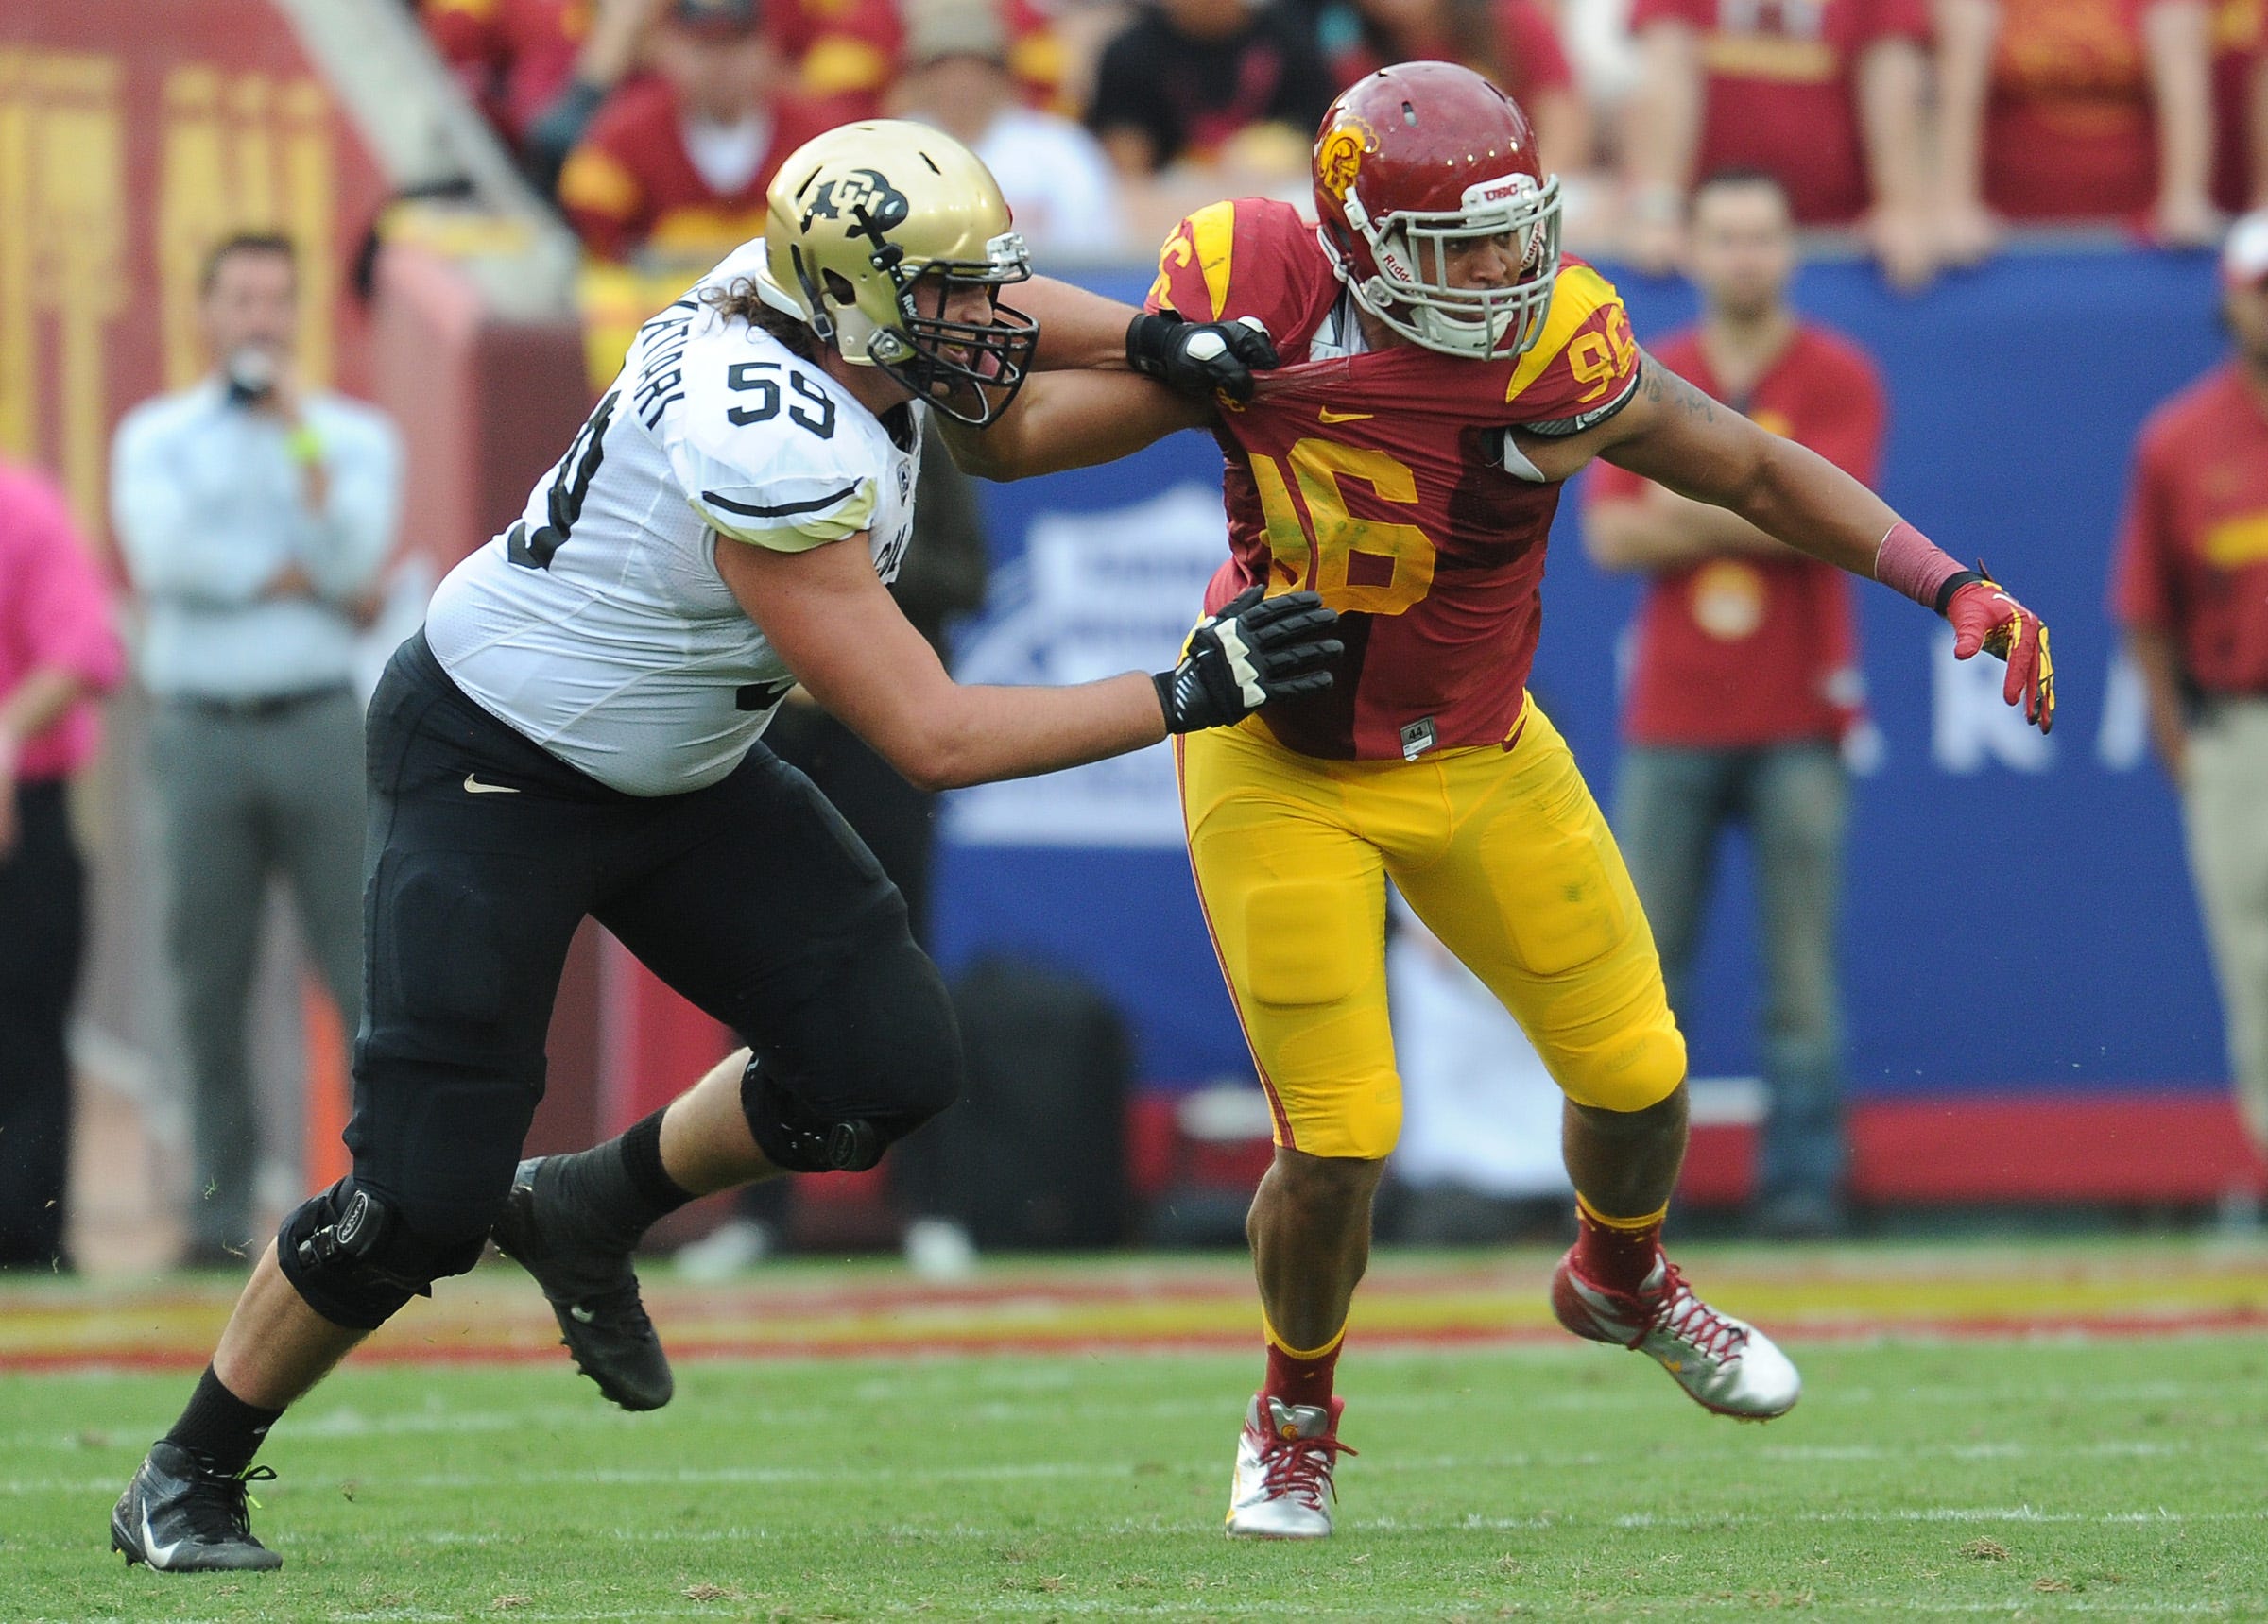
x,y
839,288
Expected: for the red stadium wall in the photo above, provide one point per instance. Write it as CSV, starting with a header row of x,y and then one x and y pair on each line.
x,y
133,134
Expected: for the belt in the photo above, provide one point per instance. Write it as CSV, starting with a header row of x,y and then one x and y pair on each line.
x,y
259,706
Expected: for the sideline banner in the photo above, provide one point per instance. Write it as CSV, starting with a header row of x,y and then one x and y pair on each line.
x,y
2016,393
133,135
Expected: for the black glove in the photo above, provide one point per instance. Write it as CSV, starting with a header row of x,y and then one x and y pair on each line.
x,y
1255,650
1200,358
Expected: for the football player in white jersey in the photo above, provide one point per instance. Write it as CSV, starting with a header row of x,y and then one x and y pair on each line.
x,y
575,733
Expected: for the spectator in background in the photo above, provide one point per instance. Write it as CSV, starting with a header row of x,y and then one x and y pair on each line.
x,y
2190,588
1186,77
57,651
1825,95
1512,41
2075,109
539,69
255,515
675,166
852,51
1058,184
2239,70
1744,680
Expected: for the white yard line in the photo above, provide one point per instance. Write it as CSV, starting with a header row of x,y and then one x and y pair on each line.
x,y
1222,1602
1019,1471
358,1421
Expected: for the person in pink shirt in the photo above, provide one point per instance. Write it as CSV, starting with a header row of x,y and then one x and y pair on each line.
x,y
58,651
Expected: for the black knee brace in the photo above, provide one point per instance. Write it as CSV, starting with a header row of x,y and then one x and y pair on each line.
x,y
351,1257
794,1137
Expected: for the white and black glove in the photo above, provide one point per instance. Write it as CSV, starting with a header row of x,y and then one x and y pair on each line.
x,y
1200,358
1255,650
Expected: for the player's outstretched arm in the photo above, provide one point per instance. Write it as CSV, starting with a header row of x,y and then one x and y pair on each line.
x,y
1088,405
1072,419
1084,332
842,633
1677,436
1079,331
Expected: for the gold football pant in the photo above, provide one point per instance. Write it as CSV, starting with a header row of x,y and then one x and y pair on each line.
x,y
1499,849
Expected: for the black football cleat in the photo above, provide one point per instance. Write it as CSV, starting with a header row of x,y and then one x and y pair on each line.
x,y
179,1515
591,1288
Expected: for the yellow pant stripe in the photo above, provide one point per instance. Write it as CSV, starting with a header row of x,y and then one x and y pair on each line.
x,y
1629,1224
1290,1352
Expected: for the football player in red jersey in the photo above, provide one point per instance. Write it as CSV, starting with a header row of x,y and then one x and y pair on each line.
x,y
1443,370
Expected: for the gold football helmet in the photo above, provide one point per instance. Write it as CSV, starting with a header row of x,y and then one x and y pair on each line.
x,y
871,228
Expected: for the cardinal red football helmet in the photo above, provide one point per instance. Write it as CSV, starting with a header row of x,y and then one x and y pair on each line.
x,y
1419,156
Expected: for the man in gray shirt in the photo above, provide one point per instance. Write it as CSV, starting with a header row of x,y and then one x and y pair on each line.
x,y
254,516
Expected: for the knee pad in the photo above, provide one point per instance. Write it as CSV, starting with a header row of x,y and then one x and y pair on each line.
x,y
798,1137
1637,1074
351,1256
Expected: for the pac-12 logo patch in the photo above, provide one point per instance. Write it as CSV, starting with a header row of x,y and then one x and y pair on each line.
x,y
1339,156
867,189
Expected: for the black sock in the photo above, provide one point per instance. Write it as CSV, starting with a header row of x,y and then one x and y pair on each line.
x,y
220,1427
620,1187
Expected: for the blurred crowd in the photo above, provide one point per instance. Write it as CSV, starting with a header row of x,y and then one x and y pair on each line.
x,y
1922,126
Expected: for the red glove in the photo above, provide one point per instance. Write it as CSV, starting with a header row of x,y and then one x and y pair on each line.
x,y
1983,616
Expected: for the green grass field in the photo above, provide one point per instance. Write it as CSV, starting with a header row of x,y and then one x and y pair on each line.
x,y
2118,1478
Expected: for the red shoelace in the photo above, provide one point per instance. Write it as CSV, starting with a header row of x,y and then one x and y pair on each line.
x,y
1693,1322
1300,1465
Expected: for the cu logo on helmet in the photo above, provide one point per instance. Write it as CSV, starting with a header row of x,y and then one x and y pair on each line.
x,y
862,188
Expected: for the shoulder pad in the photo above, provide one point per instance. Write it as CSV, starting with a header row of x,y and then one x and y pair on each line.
x,y
1586,360
767,448
1250,257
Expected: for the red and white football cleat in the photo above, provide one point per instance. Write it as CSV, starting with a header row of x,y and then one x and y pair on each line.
x,y
1725,1364
1283,1489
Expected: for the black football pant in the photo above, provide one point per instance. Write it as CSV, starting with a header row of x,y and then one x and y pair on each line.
x,y
43,934
898,822
750,898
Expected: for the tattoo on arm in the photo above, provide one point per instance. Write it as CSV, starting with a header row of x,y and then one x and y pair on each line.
x,y
1663,384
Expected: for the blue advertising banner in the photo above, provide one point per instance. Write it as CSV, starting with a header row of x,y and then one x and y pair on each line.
x,y
2018,912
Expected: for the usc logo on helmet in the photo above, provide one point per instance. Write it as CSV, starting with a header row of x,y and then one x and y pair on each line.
x,y
1339,156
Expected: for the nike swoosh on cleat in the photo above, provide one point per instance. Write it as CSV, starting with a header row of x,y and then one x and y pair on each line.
x,y
152,1552
474,787
1326,414
582,1315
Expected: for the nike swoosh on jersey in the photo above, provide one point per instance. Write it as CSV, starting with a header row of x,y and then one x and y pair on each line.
x,y
582,1315
1326,414
474,787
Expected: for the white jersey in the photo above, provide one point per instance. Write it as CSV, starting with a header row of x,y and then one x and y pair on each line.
x,y
598,625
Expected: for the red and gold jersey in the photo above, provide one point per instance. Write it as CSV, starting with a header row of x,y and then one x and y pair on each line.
x,y
2240,37
2069,129
513,56
2192,559
851,50
1383,480
630,185
1782,91
1744,648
